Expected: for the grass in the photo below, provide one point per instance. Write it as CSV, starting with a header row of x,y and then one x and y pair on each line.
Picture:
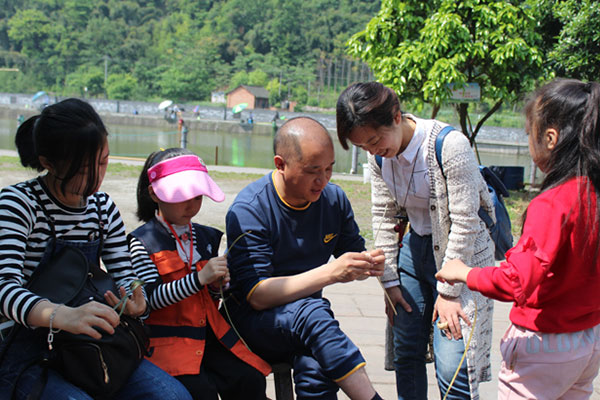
x,y
516,204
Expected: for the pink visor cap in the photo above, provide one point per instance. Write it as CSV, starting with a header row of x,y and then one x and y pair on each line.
x,y
182,178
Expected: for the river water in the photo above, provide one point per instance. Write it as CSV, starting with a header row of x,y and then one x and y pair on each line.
x,y
497,146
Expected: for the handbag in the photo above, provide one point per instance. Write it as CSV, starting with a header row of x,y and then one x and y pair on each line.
x,y
102,366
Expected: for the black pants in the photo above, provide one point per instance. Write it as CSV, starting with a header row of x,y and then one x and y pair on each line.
x,y
222,373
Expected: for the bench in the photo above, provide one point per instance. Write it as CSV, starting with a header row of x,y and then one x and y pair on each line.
x,y
284,388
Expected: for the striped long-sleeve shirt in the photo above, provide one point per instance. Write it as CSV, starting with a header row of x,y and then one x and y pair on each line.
x,y
25,234
161,294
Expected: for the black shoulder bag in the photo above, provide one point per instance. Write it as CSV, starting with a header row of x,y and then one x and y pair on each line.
x,y
103,366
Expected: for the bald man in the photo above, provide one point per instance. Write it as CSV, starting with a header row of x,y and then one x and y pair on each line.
x,y
294,220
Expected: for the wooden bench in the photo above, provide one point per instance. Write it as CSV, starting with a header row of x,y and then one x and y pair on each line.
x,y
284,388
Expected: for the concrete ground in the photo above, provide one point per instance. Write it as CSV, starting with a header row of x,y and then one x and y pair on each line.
x,y
359,306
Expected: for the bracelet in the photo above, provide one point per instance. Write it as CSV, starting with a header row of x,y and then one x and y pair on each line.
x,y
52,331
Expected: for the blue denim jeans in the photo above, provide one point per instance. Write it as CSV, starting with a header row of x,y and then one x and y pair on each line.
x,y
147,382
416,268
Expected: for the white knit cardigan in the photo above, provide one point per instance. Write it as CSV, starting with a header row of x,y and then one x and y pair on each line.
x,y
457,232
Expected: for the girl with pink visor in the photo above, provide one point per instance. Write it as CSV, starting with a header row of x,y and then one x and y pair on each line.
x,y
179,261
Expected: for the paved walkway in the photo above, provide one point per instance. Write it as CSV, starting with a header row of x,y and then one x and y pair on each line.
x,y
359,306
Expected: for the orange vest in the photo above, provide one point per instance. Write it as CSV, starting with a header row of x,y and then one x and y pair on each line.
x,y
177,332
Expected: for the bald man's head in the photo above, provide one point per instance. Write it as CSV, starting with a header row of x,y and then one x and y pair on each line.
x,y
293,133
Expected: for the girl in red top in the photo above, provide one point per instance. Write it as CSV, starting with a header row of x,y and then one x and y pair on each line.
x,y
552,348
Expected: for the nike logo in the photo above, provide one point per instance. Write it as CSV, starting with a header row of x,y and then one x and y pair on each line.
x,y
329,237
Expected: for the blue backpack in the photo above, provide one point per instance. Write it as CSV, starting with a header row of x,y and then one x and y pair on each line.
x,y
500,231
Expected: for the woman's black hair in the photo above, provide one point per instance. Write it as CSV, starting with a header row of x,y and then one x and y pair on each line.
x,y
572,108
69,134
146,207
365,104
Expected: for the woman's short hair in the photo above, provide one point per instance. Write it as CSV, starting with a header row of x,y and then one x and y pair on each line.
x,y
365,104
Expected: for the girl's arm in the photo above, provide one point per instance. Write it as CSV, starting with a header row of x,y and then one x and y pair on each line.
x,y
160,294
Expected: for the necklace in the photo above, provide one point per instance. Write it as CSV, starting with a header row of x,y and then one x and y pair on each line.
x,y
400,227
191,255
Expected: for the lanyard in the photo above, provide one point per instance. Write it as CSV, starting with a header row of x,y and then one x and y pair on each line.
x,y
189,262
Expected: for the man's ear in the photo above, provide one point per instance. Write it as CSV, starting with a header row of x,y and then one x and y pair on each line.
x,y
279,162
551,138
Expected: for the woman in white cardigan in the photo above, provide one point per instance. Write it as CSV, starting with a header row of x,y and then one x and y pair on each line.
x,y
444,224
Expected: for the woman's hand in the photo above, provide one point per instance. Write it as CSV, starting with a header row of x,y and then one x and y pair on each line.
x,y
395,294
449,311
83,319
135,304
214,270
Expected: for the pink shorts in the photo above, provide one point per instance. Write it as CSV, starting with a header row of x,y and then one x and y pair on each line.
x,y
548,365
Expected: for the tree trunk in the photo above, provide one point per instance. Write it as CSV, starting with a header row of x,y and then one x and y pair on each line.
x,y
435,110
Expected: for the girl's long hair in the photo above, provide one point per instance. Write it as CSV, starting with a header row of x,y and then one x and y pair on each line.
x,y
572,108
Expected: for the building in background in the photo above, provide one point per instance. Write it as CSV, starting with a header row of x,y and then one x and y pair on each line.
x,y
255,96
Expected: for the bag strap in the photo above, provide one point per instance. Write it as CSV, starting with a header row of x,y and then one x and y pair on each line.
x,y
439,143
379,160
50,220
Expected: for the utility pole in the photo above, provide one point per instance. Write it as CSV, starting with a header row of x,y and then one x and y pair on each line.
x,y
280,77
106,58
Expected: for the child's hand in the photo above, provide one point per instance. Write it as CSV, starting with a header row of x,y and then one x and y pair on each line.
x,y
454,271
214,270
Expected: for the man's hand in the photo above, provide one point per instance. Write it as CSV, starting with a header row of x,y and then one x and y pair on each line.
x,y
353,266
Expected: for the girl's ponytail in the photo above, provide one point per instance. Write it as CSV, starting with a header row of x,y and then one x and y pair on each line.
x,y
146,207
25,143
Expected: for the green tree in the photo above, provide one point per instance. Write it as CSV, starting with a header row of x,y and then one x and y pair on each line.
x,y
576,53
239,78
421,48
120,86
258,78
91,78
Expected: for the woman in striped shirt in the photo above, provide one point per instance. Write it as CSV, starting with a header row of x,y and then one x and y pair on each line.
x,y
69,141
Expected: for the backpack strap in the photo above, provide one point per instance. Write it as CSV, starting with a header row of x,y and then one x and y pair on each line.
x,y
439,143
379,160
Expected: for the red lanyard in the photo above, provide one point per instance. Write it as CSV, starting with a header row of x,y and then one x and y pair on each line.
x,y
191,256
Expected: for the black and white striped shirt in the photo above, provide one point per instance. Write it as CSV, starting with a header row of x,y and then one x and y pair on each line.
x,y
161,294
25,233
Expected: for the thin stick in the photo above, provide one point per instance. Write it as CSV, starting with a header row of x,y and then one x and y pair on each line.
x,y
235,241
223,295
387,296
123,302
